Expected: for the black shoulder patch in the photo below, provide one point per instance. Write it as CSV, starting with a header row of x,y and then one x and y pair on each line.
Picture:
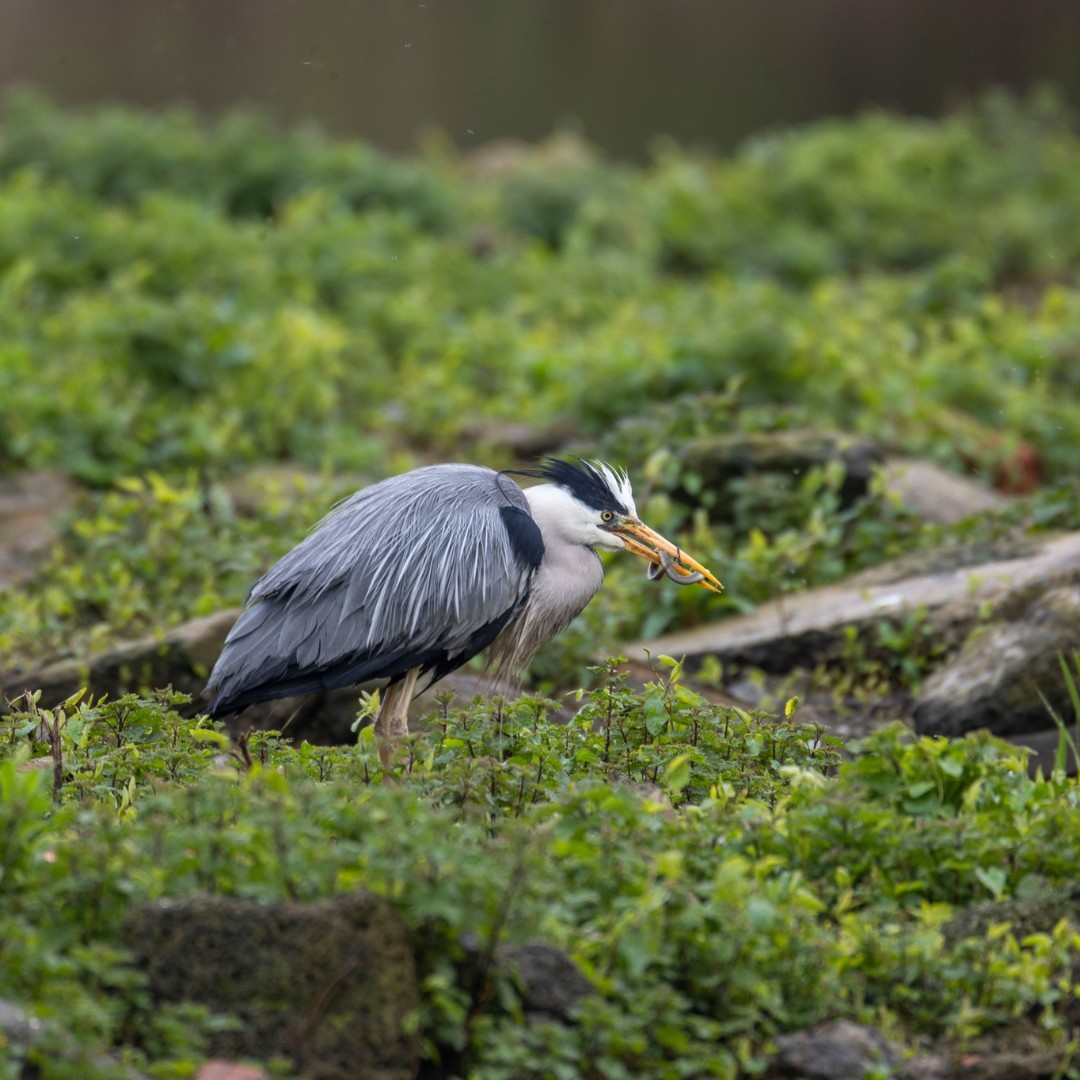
x,y
584,482
524,536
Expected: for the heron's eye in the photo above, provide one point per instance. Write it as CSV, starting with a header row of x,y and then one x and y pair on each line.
x,y
607,515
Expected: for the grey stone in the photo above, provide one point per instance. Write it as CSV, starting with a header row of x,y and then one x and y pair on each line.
x,y
937,495
1004,608
837,1051
548,982
327,984
551,984
30,504
806,628
927,1067
1001,675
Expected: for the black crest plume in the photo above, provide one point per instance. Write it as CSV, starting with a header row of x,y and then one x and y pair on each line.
x,y
584,480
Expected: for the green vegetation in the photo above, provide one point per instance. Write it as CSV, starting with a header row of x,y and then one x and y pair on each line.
x,y
853,271
721,878
219,331
192,302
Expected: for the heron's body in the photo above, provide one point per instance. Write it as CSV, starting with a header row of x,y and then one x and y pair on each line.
x,y
489,566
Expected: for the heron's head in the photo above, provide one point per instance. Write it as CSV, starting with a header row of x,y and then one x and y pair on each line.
x,y
594,506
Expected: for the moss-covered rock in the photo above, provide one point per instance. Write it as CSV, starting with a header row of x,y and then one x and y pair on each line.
x,y
328,984
718,459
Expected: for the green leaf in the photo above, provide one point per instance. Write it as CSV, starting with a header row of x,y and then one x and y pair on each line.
x,y
920,788
994,878
209,735
655,708
677,773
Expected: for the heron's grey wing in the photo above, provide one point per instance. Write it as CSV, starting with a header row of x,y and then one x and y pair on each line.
x,y
420,570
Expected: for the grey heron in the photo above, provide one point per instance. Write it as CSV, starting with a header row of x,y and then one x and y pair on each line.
x,y
415,575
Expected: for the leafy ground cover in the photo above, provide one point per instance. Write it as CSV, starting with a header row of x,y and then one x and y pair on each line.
x,y
318,319
180,304
720,877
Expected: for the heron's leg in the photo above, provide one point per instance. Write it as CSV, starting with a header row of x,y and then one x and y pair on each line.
x,y
393,720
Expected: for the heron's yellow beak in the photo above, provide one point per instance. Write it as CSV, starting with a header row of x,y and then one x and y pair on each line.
x,y
643,541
